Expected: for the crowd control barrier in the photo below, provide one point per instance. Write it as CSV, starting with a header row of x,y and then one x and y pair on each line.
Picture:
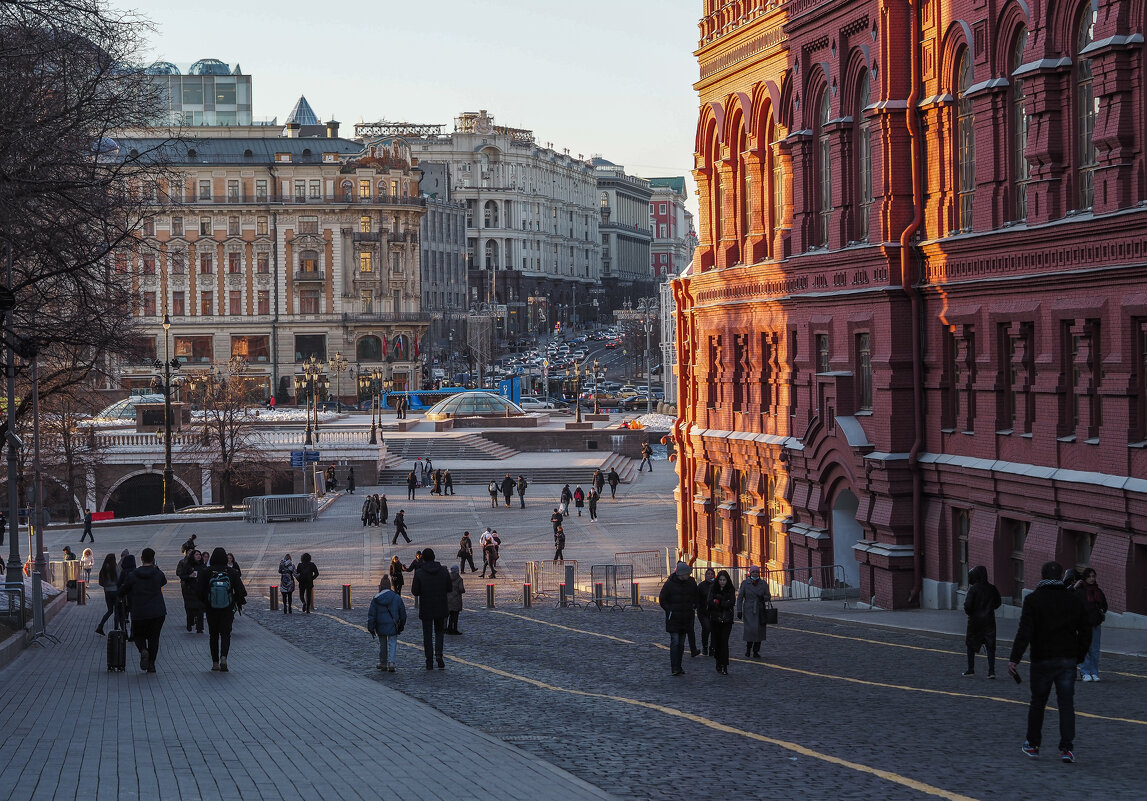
x,y
268,508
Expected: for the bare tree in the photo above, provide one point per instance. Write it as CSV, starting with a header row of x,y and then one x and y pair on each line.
x,y
70,200
230,436
69,446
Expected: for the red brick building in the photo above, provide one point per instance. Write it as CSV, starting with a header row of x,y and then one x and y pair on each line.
x,y
914,337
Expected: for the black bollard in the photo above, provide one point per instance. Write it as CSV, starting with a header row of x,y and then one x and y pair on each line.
x,y
346,596
527,602
81,592
489,596
564,601
274,597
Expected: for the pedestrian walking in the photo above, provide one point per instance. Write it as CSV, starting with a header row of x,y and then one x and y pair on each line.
x,y
522,486
367,511
646,457
431,585
598,480
486,543
386,619
4,527
395,571
1095,602
222,593
87,562
87,527
454,601
427,471
188,571
559,545
400,527
466,553
448,481
703,608
350,481
613,479
980,605
332,479
492,488
287,583
187,546
592,500
1054,622
721,604
383,511
565,498
307,572
108,578
508,489
579,499
142,589
678,598
556,520
411,484
418,468
437,490
752,599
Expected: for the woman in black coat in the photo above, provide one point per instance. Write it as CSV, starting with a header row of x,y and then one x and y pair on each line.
x,y
703,608
721,603
307,572
396,578
980,604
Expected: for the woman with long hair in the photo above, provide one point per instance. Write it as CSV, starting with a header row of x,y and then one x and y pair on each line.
x,y
721,604
109,581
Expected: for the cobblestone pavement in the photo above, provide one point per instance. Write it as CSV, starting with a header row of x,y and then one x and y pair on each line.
x,y
830,711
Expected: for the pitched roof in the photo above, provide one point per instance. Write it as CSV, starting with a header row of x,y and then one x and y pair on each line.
x,y
677,183
302,113
235,150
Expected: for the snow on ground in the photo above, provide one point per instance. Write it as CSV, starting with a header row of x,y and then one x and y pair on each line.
x,y
656,421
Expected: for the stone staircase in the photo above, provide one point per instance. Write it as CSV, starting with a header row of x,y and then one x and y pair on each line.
x,y
558,474
457,446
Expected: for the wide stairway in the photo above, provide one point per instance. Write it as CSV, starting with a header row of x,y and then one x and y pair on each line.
x,y
391,476
458,446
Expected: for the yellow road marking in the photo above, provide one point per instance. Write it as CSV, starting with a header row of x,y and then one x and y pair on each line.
x,y
888,776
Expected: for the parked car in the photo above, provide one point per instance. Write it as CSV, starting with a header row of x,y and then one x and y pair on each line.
x,y
531,404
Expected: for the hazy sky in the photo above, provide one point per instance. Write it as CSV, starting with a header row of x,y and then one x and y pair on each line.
x,y
597,76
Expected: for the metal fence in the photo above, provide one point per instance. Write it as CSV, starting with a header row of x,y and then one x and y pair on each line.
x,y
266,508
611,586
15,603
824,583
645,564
545,576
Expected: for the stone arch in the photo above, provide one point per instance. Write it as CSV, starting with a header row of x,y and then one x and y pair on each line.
x,y
1014,16
956,38
135,474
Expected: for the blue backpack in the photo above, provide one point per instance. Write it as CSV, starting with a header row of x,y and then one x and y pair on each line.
x,y
219,592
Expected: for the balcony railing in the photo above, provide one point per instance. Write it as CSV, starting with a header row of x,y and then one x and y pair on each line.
x,y
296,200
386,317
309,275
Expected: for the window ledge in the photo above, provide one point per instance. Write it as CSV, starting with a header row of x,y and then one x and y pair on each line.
x,y
968,433
1027,435
1091,441
1006,432
947,431
1068,438
1140,444
863,413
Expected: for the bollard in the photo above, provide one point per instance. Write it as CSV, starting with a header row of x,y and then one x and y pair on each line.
x,y
526,600
635,594
489,596
599,595
346,596
564,601
274,597
81,592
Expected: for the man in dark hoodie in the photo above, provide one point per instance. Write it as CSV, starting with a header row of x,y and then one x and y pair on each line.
x,y
222,592
679,600
143,589
980,605
1054,622
431,585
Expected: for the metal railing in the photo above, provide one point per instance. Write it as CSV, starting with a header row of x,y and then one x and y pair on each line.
x,y
16,603
823,583
546,576
646,564
266,508
611,586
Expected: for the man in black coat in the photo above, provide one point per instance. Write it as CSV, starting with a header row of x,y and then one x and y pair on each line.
x,y
679,600
431,585
143,590
614,479
400,527
507,489
1054,622
556,519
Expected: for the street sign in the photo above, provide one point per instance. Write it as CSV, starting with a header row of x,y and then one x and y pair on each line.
x,y
298,458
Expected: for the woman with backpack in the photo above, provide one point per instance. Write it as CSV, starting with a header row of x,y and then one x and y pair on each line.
x,y
307,573
579,499
287,583
493,488
221,592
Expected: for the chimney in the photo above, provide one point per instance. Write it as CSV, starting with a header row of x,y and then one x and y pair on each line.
x,y
293,130
332,129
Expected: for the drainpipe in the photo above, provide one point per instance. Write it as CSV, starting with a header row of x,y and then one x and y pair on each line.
x,y
906,283
275,293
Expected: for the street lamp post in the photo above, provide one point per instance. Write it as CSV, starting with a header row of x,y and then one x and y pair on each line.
x,y
375,376
167,366
576,387
312,369
596,385
338,364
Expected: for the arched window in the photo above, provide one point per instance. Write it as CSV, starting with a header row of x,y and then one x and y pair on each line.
x,y
491,254
777,179
490,214
965,143
1021,171
863,159
1086,109
824,169
369,349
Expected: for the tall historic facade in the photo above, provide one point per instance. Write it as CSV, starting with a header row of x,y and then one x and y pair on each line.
x,y
273,248
914,336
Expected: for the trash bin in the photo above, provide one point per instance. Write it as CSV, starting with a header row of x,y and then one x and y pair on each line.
x,y
73,590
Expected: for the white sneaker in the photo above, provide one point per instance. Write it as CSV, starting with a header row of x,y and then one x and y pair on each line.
x,y
1086,677
1095,677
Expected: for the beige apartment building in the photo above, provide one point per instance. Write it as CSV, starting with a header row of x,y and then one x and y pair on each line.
x,y
274,245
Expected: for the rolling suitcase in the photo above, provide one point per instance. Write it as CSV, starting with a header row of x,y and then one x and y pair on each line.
x,y
117,649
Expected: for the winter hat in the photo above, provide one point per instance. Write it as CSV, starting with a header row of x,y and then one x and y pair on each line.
x,y
755,571
683,569
427,554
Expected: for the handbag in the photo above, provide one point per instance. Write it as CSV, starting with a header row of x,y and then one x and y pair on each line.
x,y
770,616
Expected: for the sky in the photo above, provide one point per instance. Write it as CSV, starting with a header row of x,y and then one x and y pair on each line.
x,y
608,77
